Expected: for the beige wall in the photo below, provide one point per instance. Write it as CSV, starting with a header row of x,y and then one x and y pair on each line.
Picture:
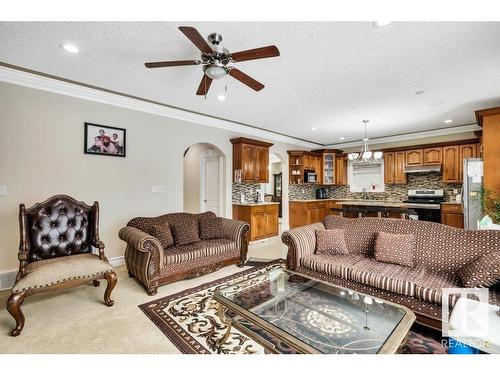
x,y
41,154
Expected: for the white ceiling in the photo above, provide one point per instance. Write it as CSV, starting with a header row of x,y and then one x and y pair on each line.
x,y
329,75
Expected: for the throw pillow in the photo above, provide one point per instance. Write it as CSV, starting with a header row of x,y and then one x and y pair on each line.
x,y
210,226
330,242
163,233
185,230
395,248
482,272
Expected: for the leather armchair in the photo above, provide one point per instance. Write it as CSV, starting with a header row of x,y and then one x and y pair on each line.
x,y
57,245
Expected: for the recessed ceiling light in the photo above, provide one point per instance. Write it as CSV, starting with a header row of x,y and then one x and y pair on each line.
x,y
381,23
221,97
341,138
68,47
419,92
314,128
448,121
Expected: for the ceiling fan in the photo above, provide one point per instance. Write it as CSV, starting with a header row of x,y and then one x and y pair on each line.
x,y
215,60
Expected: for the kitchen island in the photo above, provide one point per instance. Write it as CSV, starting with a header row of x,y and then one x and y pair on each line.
x,y
262,217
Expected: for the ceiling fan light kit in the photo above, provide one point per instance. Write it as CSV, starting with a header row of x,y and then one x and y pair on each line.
x,y
215,60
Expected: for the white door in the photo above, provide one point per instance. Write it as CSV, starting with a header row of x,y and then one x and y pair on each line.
x,y
211,187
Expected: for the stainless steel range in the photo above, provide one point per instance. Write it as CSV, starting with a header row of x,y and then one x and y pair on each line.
x,y
426,203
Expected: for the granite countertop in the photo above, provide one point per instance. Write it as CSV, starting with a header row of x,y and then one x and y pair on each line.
x,y
450,203
373,203
254,203
313,200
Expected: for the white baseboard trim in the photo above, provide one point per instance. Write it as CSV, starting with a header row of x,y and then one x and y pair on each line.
x,y
7,278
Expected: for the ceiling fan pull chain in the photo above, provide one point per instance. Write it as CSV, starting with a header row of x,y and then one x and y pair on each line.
x,y
225,88
205,80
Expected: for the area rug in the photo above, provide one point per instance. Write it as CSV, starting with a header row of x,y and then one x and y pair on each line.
x,y
189,319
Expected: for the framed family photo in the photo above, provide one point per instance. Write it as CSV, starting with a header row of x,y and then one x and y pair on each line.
x,y
104,140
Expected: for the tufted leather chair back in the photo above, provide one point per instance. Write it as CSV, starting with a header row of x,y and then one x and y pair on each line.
x,y
58,227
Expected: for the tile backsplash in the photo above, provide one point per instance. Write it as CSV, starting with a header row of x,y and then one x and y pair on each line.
x,y
392,192
249,189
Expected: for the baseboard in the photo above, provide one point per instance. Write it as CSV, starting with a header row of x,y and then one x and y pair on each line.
x,y
7,278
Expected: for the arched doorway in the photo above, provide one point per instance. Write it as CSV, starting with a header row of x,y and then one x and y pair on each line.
x,y
203,179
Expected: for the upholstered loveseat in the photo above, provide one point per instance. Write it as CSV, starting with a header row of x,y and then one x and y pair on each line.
x,y
155,264
440,253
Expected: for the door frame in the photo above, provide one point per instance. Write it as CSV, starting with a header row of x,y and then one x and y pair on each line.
x,y
203,168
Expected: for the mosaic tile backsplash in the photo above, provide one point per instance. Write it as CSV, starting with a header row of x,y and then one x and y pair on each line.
x,y
392,192
249,189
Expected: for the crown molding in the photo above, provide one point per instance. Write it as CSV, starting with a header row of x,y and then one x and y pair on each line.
x,y
82,91
409,136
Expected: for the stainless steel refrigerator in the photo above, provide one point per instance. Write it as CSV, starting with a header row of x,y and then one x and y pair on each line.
x,y
471,192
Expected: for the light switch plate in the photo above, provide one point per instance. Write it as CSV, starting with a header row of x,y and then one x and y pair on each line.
x,y
158,189
3,190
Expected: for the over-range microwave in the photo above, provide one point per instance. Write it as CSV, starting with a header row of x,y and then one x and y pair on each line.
x,y
310,177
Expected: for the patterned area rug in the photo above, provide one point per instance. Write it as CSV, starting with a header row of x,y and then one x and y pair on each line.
x,y
189,319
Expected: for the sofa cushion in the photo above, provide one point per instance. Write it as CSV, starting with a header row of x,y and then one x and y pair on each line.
x,y
330,242
163,233
48,272
336,265
210,226
185,229
482,272
187,253
387,276
395,248
429,287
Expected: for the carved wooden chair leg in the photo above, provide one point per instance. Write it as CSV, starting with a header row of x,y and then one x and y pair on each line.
x,y
96,283
111,279
14,308
152,290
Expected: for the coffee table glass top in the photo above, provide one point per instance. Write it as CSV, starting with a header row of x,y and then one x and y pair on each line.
x,y
321,316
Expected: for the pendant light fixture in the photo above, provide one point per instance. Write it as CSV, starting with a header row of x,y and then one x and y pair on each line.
x,y
365,156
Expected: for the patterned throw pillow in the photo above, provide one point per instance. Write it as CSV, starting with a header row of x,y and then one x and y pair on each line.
x,y
482,272
395,248
185,230
330,242
210,226
163,233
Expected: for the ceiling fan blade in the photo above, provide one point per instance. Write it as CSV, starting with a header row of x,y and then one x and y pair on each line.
x,y
194,36
163,64
256,53
204,85
247,80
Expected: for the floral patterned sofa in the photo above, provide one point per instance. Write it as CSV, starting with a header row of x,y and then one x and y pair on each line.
x,y
190,254
441,252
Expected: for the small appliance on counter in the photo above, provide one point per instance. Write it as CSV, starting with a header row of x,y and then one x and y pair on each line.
x,y
427,204
321,193
310,176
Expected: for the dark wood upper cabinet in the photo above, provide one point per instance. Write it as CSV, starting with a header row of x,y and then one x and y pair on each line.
x,y
451,164
341,170
252,158
466,152
415,157
433,156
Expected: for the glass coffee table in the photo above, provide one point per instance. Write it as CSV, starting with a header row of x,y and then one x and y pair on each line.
x,y
289,313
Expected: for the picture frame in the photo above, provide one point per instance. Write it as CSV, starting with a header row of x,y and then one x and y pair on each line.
x,y
104,140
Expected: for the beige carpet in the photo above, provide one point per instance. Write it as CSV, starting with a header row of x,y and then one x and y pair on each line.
x,y
76,320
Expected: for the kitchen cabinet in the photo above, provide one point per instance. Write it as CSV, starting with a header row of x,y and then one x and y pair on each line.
x,y
328,163
451,214
251,157
263,219
389,168
433,156
451,165
414,157
453,157
341,170
466,152
302,161
399,167
308,212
